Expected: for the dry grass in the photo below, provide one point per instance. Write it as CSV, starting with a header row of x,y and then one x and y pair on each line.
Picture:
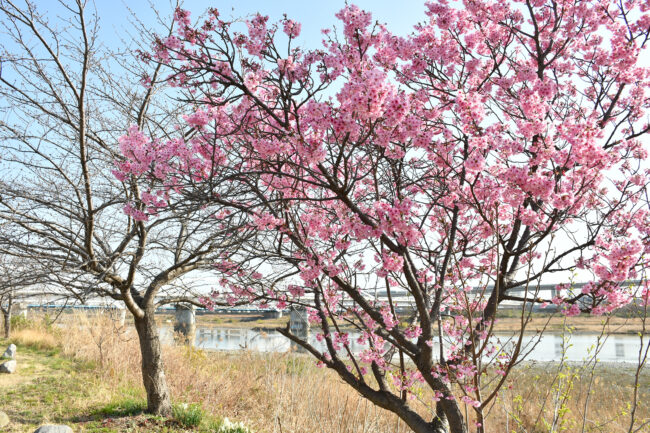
x,y
284,393
550,398
268,392
39,336
584,323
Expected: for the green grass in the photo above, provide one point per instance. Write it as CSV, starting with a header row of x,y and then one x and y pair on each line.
x,y
49,387
45,388
188,415
128,406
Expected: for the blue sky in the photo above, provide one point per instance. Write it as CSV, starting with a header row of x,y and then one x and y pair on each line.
x,y
314,15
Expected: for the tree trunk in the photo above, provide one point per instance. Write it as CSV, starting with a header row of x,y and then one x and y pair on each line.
x,y
153,374
440,423
7,316
6,313
449,417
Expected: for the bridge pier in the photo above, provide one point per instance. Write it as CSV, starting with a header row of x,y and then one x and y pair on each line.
x,y
185,323
554,292
299,326
20,309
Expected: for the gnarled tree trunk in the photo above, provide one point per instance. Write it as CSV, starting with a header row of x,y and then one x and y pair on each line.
x,y
153,374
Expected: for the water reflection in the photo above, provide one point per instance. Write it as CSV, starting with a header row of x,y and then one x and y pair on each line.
x,y
616,348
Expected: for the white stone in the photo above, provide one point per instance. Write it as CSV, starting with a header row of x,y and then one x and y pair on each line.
x,y
4,419
8,367
10,352
53,428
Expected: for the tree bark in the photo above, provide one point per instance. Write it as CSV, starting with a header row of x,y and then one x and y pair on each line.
x,y
7,318
153,374
6,313
440,423
449,417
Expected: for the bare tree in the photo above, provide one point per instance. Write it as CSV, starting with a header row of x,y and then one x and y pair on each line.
x,y
7,296
68,98
21,280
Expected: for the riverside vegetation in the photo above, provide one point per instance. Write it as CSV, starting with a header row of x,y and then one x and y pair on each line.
x,y
83,375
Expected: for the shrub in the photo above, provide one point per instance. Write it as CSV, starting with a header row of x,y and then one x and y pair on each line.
x,y
21,322
188,415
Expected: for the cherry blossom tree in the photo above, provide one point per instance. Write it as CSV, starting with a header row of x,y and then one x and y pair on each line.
x,y
497,145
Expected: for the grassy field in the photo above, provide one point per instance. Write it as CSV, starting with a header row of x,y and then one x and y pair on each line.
x,y
87,376
52,388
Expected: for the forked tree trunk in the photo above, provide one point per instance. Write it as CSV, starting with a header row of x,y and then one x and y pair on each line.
x,y
440,423
153,374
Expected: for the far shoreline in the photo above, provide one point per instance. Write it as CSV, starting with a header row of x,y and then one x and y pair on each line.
x,y
583,324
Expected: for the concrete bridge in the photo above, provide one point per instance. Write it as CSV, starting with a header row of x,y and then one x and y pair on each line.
x,y
185,314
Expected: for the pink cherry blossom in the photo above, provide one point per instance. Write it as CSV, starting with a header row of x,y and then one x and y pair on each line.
x,y
469,158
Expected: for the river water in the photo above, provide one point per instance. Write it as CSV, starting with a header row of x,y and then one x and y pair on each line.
x,y
577,347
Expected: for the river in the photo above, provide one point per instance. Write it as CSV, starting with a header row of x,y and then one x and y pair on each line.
x,y
614,348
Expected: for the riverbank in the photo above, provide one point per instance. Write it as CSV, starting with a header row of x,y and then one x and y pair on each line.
x,y
578,324
88,377
505,323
